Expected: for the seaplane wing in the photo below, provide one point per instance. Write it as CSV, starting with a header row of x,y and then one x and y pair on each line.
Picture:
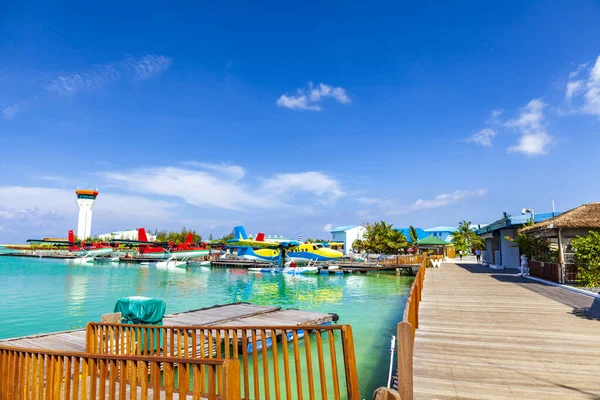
x,y
240,238
54,242
253,243
139,242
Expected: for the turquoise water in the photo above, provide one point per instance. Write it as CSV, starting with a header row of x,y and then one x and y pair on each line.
x,y
40,295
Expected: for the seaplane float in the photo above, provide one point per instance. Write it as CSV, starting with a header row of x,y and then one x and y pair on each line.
x,y
169,254
299,257
274,252
84,252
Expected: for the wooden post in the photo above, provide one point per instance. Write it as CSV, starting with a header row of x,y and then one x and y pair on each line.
x,y
231,379
405,360
561,259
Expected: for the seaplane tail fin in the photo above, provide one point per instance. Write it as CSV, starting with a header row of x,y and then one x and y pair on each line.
x,y
189,239
239,232
142,237
71,239
260,237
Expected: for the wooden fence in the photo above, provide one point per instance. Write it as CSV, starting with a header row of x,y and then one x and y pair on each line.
x,y
44,374
276,361
402,260
543,270
552,271
406,334
571,271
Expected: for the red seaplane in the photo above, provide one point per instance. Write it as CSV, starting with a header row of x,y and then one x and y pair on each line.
x,y
166,250
79,248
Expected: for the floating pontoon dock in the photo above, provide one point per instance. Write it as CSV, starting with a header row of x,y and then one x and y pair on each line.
x,y
236,263
236,314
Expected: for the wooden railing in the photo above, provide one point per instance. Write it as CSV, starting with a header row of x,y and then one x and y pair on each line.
x,y
402,260
571,271
40,374
275,361
406,334
548,271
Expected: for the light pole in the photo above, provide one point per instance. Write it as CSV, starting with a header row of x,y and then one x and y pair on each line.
x,y
530,211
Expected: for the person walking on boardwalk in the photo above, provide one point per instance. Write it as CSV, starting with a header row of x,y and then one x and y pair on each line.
x,y
478,255
460,254
523,264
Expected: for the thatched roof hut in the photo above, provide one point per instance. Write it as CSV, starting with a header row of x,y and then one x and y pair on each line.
x,y
583,218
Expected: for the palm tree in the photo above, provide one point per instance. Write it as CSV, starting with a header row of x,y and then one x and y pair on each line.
x,y
464,236
414,238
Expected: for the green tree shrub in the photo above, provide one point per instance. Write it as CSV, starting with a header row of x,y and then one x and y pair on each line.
x,y
587,255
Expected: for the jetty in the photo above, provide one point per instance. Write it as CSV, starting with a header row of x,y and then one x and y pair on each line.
x,y
240,263
236,314
228,352
491,334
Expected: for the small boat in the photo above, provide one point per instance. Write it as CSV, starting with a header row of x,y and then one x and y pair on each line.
x,y
171,263
262,270
80,260
295,269
300,270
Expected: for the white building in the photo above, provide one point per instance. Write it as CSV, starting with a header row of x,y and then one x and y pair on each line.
x,y
347,235
86,198
131,234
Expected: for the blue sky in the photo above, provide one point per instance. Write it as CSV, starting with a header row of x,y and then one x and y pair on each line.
x,y
294,118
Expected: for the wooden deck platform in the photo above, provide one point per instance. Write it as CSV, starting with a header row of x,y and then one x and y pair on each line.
x,y
234,263
488,334
238,314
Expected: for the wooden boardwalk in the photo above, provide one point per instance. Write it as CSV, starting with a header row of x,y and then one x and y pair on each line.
x,y
239,314
487,334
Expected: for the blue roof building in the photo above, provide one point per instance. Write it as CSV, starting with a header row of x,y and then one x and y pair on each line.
x,y
343,228
347,234
442,232
500,252
420,233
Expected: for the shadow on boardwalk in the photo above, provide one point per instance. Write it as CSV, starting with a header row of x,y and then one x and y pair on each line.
x,y
583,306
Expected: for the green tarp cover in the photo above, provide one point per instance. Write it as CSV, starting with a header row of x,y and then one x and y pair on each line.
x,y
141,310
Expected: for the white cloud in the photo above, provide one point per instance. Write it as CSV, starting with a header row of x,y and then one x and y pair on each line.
x,y
446,199
326,188
374,201
534,139
531,117
147,66
201,188
234,171
9,112
497,113
299,102
483,137
388,207
327,228
322,91
222,186
532,144
28,207
585,92
573,88
310,98
134,68
579,69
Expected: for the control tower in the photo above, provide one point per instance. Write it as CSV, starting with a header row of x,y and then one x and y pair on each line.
x,y
86,198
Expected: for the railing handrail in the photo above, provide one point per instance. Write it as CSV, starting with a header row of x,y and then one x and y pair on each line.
x,y
114,357
211,341
50,374
406,333
225,327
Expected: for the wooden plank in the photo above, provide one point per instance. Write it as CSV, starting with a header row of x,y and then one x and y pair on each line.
x,y
489,334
